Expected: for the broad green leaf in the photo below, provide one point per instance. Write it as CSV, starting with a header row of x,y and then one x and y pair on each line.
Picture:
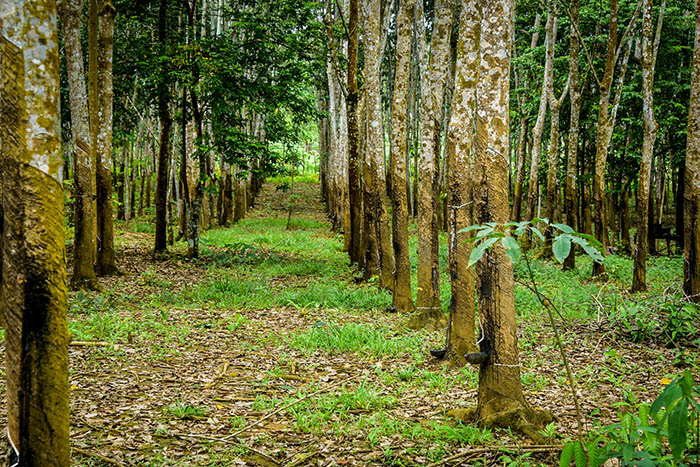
x,y
484,232
512,248
537,232
564,228
561,247
479,250
591,251
567,454
678,428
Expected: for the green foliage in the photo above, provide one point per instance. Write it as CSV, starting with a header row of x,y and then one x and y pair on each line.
x,y
489,234
183,411
663,433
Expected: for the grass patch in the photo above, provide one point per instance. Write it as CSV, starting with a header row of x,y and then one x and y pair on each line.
x,y
361,338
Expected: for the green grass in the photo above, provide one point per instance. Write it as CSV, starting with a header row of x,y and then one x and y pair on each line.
x,y
361,338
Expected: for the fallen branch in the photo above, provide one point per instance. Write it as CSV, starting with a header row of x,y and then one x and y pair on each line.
x,y
89,344
469,452
102,458
302,459
232,441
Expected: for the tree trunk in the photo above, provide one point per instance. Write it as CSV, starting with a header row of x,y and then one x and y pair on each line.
x,y
550,39
354,181
165,126
375,144
500,396
428,294
84,240
460,330
691,193
402,297
572,153
650,127
33,278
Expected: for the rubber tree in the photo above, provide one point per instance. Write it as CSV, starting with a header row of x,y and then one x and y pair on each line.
x,y
33,282
428,293
402,297
460,330
83,167
691,192
650,47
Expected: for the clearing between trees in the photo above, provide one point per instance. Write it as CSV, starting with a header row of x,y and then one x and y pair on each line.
x,y
266,351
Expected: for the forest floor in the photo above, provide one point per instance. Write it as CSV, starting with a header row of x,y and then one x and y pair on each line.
x,y
265,351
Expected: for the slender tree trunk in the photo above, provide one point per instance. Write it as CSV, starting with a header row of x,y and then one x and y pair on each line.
x,y
428,294
572,153
402,297
650,127
354,181
165,126
84,241
33,291
550,40
375,144
691,193
460,330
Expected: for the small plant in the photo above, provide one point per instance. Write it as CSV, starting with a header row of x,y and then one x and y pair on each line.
x,y
663,433
179,409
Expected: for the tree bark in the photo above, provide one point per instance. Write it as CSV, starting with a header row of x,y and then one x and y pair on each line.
x,y
402,297
460,329
572,153
650,126
375,144
33,279
354,180
84,240
550,40
500,396
165,127
428,293
691,192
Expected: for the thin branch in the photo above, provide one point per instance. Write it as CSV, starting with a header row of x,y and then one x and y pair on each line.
x,y
631,26
585,49
657,38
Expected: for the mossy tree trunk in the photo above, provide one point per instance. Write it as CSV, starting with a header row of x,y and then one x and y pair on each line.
x,y
84,240
354,180
402,297
34,295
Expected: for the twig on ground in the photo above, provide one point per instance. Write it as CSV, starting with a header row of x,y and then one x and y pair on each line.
x,y
98,456
469,452
232,441
303,459
88,344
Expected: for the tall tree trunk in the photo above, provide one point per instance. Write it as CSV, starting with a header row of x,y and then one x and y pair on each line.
x,y
500,396
33,278
572,153
606,123
691,192
550,40
375,144
84,240
402,297
354,181
165,126
650,126
460,330
428,294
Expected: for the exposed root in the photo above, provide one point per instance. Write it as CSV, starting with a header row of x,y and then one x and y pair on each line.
x,y
432,320
85,283
522,419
